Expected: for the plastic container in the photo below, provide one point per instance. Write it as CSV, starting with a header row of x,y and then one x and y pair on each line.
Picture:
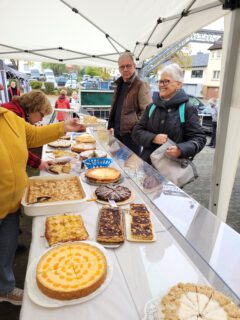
x,y
97,162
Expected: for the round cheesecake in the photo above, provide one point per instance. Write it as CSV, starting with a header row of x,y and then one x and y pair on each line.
x,y
103,175
110,192
71,271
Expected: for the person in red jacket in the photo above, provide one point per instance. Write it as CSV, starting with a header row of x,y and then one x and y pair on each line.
x,y
62,103
13,90
32,107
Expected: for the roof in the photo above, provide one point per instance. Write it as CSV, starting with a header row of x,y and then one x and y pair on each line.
x,y
200,60
216,46
94,32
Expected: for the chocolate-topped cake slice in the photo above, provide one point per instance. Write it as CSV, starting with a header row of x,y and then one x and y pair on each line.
x,y
110,192
141,225
110,225
141,231
138,209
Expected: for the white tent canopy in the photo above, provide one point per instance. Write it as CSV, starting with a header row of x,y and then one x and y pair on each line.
x,y
95,32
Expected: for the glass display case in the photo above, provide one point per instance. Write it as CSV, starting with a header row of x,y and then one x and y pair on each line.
x,y
210,244
190,245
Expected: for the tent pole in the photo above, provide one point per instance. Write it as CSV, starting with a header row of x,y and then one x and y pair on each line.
x,y
227,153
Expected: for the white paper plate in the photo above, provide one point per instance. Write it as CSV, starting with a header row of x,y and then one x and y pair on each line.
x,y
151,310
42,300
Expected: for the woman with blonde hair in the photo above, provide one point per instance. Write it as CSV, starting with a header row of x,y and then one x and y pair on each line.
x,y
32,107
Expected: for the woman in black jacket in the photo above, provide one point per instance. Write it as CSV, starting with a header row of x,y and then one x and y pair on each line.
x,y
161,122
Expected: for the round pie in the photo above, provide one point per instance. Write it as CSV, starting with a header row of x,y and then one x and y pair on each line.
x,y
103,175
71,271
110,192
190,301
80,147
60,144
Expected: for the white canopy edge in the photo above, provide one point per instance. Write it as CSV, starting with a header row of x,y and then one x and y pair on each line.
x,y
95,32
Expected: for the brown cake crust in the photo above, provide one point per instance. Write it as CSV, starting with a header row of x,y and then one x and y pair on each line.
x,y
110,192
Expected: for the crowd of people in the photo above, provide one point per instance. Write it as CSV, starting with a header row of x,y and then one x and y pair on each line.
x,y
130,121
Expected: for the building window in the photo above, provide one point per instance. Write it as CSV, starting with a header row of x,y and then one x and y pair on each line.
x,y
197,74
212,55
216,75
218,54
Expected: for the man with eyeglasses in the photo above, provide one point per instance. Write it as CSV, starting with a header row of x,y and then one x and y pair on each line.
x,y
131,97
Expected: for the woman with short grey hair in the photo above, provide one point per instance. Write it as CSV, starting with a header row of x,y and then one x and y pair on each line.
x,y
162,121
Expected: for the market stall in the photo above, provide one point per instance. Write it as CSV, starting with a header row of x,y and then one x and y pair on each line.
x,y
189,244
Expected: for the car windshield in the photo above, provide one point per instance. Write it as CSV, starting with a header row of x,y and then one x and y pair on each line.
x,y
206,110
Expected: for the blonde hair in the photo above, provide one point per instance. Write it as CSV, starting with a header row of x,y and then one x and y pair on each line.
x,y
63,92
35,101
175,71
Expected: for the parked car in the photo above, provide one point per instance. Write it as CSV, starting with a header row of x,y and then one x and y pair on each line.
x,y
205,117
71,84
61,81
196,102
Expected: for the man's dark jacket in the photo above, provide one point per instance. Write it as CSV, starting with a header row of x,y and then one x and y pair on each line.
x,y
137,98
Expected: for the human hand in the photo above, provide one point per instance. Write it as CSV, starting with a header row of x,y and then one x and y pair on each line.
x,y
73,125
45,164
173,151
160,138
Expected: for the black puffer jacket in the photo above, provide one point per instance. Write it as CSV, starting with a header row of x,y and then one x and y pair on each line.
x,y
189,137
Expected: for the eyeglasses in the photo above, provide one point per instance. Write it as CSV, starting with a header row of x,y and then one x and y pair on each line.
x,y
165,82
127,66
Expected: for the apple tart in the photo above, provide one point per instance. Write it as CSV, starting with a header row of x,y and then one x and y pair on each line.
x,y
63,228
54,190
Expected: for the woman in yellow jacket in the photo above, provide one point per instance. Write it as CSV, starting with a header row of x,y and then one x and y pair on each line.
x,y
16,136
